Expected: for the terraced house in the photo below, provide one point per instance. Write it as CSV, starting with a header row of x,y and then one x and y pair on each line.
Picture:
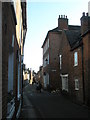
x,y
66,59
74,61
13,27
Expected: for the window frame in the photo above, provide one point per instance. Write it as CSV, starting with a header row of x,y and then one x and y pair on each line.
x,y
64,82
76,84
60,61
76,58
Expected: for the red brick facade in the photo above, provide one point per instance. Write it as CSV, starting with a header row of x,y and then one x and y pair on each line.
x,y
51,68
69,59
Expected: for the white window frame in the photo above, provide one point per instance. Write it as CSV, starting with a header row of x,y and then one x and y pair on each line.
x,y
64,85
46,80
75,58
45,63
76,84
60,60
46,46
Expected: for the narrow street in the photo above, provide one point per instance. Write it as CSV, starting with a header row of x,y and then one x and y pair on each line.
x,y
49,105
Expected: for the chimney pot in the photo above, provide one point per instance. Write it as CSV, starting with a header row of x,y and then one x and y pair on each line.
x,y
83,13
86,14
66,16
59,16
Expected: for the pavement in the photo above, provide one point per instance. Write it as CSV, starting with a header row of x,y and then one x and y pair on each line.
x,y
28,110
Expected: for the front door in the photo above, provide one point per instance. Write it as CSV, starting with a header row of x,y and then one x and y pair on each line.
x,y
65,83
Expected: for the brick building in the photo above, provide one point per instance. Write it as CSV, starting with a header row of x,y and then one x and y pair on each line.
x,y
66,59
39,76
74,72
50,58
11,58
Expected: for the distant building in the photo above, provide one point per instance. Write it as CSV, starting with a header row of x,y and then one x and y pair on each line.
x,y
26,76
32,76
39,76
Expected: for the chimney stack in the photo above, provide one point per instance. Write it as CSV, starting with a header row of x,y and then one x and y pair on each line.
x,y
62,22
85,23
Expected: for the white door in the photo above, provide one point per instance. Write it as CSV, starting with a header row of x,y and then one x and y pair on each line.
x,y
46,80
65,83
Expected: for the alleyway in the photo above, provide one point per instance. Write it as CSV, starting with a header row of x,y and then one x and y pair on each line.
x,y
49,105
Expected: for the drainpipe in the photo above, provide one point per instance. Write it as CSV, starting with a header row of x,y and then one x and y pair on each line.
x,y
83,77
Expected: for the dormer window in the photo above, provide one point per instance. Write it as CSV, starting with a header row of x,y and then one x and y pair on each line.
x,y
76,59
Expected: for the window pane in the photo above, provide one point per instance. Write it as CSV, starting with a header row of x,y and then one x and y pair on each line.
x,y
60,60
75,59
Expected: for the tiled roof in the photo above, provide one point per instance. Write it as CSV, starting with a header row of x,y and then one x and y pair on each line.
x,y
74,27
73,34
73,37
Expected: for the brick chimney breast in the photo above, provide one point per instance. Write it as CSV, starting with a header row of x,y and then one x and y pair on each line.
x,y
62,22
85,23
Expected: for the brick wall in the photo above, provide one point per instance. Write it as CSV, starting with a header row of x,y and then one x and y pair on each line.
x,y
85,22
0,60
76,73
55,38
66,60
89,70
68,68
86,56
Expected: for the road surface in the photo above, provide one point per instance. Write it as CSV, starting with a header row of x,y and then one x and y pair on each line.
x,y
52,105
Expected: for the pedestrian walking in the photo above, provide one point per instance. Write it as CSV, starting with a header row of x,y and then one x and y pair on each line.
x,y
38,86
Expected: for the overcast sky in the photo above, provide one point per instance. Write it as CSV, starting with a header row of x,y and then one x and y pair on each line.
x,y
42,16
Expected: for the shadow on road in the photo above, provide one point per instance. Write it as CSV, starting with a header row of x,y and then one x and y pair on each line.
x,y
49,105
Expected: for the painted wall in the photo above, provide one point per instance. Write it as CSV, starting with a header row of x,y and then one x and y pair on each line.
x,y
19,21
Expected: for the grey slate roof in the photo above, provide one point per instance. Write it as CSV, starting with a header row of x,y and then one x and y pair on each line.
x,y
73,37
74,27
